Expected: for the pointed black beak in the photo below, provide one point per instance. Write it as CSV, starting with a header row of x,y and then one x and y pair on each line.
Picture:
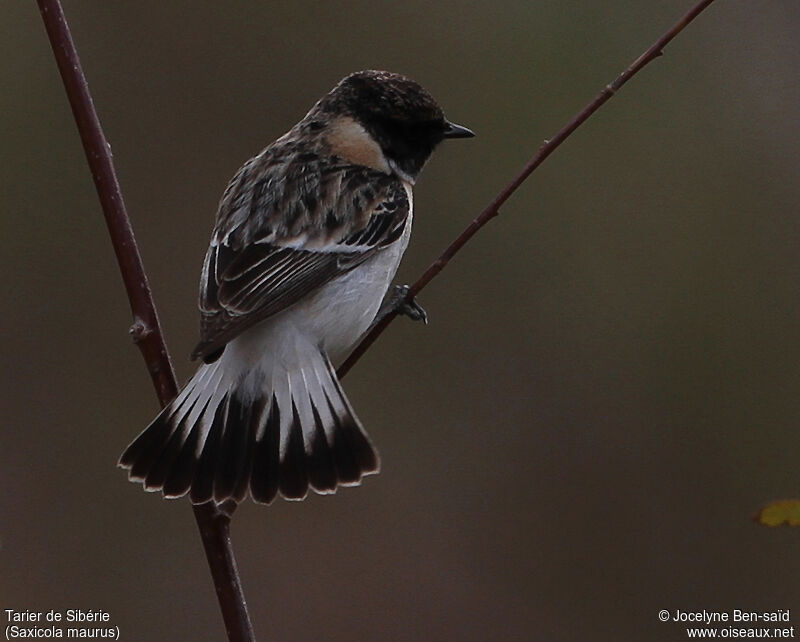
x,y
451,130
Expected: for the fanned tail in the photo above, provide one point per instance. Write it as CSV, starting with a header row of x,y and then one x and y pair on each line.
x,y
263,433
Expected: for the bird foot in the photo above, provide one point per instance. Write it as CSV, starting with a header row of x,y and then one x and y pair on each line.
x,y
396,303
410,309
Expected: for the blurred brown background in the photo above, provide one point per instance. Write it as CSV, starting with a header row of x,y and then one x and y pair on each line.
x,y
607,391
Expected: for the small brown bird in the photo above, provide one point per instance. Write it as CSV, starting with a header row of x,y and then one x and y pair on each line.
x,y
308,237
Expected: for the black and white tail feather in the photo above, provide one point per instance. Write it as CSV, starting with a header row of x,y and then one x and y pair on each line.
x,y
263,435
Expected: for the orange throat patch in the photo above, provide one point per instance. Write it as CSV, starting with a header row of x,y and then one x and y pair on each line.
x,y
350,141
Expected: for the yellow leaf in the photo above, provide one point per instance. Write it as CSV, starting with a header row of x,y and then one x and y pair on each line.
x,y
779,512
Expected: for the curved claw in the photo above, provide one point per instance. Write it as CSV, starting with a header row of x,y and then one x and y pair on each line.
x,y
412,309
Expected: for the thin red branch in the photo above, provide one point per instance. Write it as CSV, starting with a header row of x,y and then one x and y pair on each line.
x,y
214,525
549,146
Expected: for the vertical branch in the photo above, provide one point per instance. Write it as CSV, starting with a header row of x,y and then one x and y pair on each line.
x,y
214,525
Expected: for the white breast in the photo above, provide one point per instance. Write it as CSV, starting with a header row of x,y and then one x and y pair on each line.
x,y
341,311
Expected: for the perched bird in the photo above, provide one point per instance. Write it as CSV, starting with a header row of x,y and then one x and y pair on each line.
x,y
308,237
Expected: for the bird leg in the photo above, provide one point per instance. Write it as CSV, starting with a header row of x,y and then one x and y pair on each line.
x,y
396,303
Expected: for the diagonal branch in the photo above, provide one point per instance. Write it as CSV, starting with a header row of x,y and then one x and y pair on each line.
x,y
493,208
214,525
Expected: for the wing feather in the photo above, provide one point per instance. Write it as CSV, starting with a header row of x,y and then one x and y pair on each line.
x,y
339,216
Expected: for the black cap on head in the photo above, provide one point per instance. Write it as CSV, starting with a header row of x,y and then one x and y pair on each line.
x,y
374,95
398,112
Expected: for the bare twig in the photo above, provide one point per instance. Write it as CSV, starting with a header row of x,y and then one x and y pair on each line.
x,y
214,524
493,208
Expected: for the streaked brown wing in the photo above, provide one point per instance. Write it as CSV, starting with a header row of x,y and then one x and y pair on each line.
x,y
244,283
